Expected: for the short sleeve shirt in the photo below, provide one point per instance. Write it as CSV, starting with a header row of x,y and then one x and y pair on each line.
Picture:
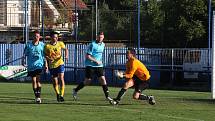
x,y
96,51
54,52
35,55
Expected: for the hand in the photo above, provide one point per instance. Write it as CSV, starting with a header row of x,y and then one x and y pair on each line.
x,y
99,62
119,74
23,62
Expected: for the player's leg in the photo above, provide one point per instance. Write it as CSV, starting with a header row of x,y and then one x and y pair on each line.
x,y
88,78
62,88
54,76
33,75
34,86
38,88
103,82
62,81
140,86
129,83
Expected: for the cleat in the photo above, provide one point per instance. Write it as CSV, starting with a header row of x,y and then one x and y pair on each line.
x,y
109,99
151,100
58,97
74,94
114,102
61,98
38,100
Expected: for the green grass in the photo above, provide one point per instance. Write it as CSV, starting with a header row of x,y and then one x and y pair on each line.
x,y
17,104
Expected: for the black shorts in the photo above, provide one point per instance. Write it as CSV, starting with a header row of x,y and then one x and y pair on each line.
x,y
34,73
140,85
90,71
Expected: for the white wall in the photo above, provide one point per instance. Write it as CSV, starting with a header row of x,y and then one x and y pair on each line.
x,y
15,13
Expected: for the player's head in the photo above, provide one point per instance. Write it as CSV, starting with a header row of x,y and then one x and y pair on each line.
x,y
54,36
130,53
36,35
100,37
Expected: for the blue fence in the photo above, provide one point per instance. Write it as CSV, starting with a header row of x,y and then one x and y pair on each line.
x,y
114,58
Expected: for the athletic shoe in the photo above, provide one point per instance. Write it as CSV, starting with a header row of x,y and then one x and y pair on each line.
x,y
58,97
74,94
151,100
114,102
38,100
61,99
109,99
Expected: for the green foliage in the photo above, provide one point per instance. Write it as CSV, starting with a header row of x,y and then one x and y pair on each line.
x,y
166,23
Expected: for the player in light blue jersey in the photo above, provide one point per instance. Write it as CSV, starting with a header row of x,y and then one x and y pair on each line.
x,y
94,66
34,51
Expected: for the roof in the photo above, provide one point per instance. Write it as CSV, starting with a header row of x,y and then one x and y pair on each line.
x,y
71,4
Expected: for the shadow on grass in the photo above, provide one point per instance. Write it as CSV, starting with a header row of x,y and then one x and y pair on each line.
x,y
25,100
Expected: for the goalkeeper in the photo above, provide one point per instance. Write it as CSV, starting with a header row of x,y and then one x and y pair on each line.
x,y
136,75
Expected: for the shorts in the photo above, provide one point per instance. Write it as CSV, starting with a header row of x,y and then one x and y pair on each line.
x,y
140,85
34,73
90,71
55,71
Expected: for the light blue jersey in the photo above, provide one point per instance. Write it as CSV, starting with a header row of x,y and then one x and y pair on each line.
x,y
96,51
35,55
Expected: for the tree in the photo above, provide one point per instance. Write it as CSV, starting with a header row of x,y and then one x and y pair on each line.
x,y
185,22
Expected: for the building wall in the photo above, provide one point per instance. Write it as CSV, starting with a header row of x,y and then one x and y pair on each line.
x,y
15,13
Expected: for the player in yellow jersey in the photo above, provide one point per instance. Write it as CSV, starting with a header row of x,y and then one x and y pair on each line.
x,y
56,64
136,75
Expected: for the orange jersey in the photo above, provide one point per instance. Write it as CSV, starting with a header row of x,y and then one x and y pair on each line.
x,y
137,68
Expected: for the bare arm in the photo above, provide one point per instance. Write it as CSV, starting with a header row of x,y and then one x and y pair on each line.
x,y
88,56
66,53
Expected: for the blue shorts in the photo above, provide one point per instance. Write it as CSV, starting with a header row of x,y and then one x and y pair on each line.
x,y
55,71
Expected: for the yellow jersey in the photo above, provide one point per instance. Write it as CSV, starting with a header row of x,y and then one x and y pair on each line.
x,y
137,68
54,52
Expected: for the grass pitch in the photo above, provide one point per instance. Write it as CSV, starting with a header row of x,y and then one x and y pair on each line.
x,y
17,104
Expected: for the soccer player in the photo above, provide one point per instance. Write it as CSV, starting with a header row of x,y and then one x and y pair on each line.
x,y
136,75
56,64
35,63
94,66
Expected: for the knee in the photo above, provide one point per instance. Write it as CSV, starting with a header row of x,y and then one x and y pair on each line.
x,y
136,97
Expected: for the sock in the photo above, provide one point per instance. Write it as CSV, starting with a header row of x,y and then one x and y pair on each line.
x,y
143,97
105,89
80,86
121,94
56,89
38,91
62,91
35,92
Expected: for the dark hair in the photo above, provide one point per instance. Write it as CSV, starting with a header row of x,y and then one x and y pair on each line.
x,y
132,51
53,33
36,32
100,33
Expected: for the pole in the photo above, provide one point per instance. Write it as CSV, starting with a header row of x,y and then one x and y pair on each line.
x,y
96,17
209,32
42,14
138,27
92,21
76,48
26,21
76,22
213,59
